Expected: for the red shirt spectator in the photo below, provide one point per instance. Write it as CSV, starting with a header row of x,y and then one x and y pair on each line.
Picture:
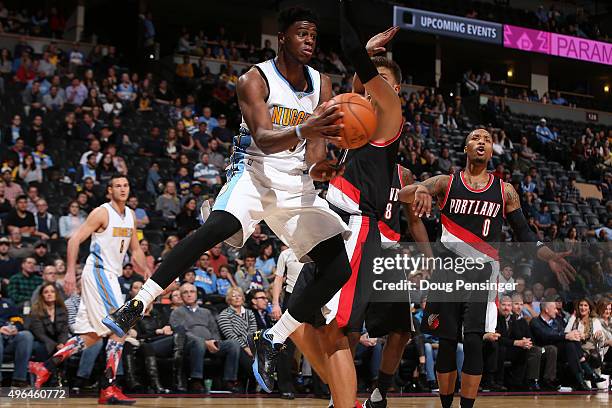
x,y
217,258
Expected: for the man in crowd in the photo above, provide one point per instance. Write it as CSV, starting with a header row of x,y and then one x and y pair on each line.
x,y
49,276
206,173
544,134
217,258
20,219
41,256
18,248
203,336
24,283
128,278
11,190
15,342
8,266
259,304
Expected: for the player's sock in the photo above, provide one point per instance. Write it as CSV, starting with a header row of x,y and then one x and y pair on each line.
x,y
72,346
447,400
219,226
384,383
467,402
283,328
331,402
148,292
114,350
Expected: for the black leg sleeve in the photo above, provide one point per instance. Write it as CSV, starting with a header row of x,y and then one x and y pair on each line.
x,y
219,226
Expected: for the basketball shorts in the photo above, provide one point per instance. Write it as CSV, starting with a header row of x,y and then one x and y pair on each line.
x,y
287,202
100,295
383,318
450,315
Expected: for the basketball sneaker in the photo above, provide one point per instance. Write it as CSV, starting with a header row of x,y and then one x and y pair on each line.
x,y
40,373
112,395
265,354
124,318
380,401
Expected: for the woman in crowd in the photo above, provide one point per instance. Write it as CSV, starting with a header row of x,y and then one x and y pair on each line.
x,y
144,245
184,137
170,243
172,147
187,220
69,223
225,280
49,321
265,261
591,337
105,169
29,172
604,311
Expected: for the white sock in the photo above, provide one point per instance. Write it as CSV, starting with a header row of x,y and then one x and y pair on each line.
x,y
149,291
376,396
283,328
331,402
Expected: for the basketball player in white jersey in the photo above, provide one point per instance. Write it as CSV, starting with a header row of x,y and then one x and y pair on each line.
x,y
112,228
280,148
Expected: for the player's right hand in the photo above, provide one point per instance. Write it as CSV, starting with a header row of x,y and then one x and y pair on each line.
x,y
69,281
322,124
276,312
325,170
422,202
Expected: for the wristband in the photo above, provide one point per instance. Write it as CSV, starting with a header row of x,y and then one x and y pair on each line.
x,y
298,133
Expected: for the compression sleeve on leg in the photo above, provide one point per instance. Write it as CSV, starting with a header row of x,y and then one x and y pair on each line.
x,y
353,48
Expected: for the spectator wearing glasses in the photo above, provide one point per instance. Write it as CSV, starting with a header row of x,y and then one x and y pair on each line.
x,y
259,304
46,223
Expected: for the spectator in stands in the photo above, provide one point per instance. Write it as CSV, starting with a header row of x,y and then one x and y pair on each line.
x,y
187,220
37,132
203,336
128,277
259,304
225,280
168,203
50,276
237,322
152,146
26,71
163,95
447,119
559,100
215,157
42,159
150,259
153,182
49,320
528,186
28,171
20,219
205,275
543,217
15,342
142,219
591,336
526,152
604,311
544,134
248,277
125,90
88,129
571,194
105,169
217,258
95,148
22,285
210,120
170,243
206,173
9,266
224,135
11,190
76,93
201,137
13,131
172,147
41,255
265,261
32,99
5,205
444,162
70,222
134,289
604,233
547,332
87,170
19,249
91,101
75,58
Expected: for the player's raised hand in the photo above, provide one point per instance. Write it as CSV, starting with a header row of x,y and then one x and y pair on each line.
x,y
422,202
326,170
377,43
322,124
561,268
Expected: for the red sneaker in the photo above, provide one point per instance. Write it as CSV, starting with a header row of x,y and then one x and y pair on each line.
x,y
40,372
112,395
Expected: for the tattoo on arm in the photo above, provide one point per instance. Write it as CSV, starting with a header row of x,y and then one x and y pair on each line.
x,y
436,185
512,196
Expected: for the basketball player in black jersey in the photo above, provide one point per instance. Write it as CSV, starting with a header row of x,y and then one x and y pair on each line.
x,y
473,206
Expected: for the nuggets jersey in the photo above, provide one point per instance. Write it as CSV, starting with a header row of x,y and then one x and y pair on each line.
x,y
389,224
108,248
472,219
288,108
365,186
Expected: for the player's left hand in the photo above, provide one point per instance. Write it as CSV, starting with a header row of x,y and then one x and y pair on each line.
x,y
422,202
325,170
562,269
377,43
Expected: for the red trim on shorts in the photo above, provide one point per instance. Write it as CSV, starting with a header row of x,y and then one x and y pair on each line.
x,y
469,238
390,141
347,293
448,187
387,232
346,188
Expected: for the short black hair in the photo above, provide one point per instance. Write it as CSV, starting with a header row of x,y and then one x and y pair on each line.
x,y
380,61
293,14
114,177
21,197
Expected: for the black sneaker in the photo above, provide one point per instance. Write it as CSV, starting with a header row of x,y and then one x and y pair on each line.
x,y
265,354
380,403
124,318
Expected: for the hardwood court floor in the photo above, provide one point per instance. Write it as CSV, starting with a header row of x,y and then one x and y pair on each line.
x,y
599,400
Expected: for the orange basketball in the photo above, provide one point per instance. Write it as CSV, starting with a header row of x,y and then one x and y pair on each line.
x,y
359,119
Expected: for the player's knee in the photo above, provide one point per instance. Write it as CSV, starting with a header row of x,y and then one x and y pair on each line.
x,y
447,356
472,346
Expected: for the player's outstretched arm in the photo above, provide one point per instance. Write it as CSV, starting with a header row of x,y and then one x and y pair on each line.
x,y
252,94
516,219
420,195
97,219
415,224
